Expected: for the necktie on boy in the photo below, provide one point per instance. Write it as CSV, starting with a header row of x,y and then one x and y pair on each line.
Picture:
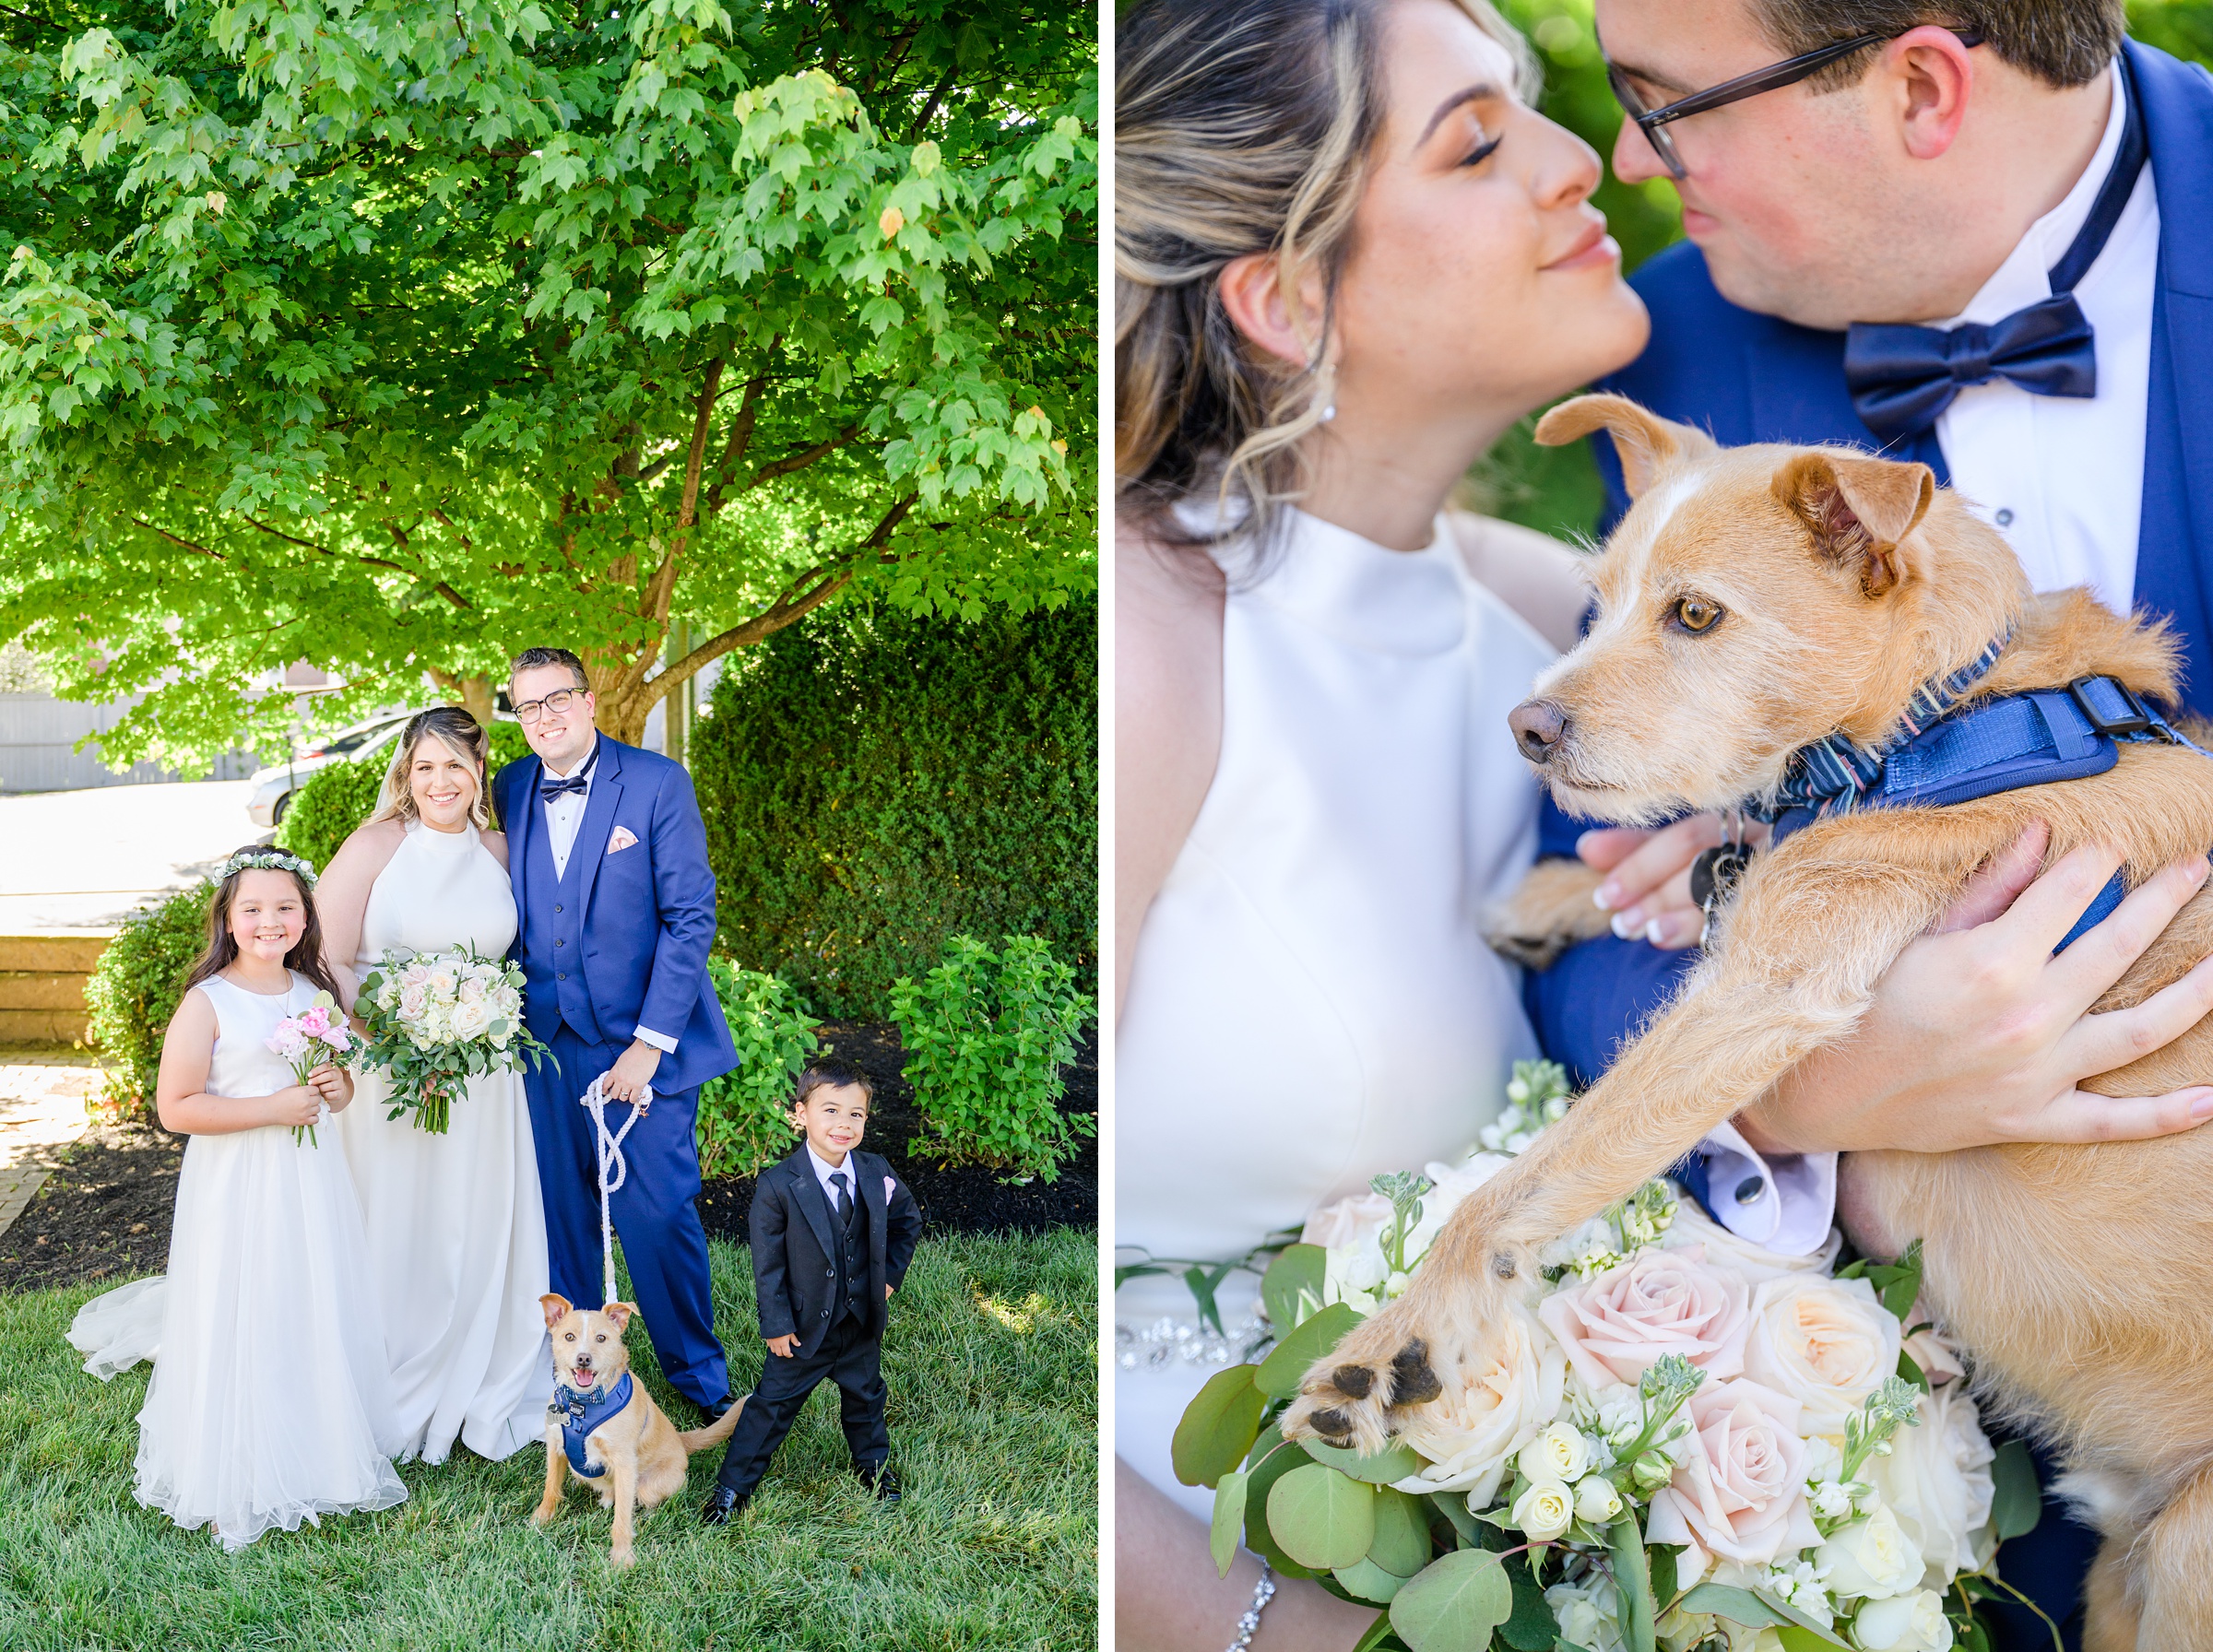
x,y
1902,378
844,1197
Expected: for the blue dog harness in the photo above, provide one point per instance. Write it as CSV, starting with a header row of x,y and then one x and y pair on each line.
x,y
1943,756
581,1414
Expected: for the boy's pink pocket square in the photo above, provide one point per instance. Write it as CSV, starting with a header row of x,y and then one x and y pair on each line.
x,y
888,1185
623,839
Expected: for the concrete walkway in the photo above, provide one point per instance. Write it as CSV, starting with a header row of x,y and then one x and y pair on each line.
x,y
82,861
41,1111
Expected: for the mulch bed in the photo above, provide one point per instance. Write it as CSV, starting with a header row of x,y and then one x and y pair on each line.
x,y
971,1198
105,1211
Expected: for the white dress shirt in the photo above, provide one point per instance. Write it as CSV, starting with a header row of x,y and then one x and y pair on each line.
x,y
565,815
2063,478
825,1170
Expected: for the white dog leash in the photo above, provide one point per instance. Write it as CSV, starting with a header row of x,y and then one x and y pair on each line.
x,y
613,1168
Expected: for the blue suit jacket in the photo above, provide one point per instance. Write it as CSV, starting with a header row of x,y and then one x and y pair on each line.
x,y
648,911
1753,378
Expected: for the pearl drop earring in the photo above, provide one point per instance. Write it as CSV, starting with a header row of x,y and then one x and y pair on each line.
x,y
1329,413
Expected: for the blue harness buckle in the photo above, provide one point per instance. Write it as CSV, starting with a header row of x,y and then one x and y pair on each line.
x,y
2111,707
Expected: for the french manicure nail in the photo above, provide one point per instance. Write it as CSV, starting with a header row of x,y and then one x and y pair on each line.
x,y
1628,925
1655,933
1605,894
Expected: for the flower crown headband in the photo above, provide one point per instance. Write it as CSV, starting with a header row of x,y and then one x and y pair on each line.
x,y
267,860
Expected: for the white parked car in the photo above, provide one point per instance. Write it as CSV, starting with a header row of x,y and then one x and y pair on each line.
x,y
274,789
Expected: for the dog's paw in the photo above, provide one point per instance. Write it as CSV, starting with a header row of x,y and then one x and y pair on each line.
x,y
1549,912
607,1500
623,1558
1360,1392
543,1514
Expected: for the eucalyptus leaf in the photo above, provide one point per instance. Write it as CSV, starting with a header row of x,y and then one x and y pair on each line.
x,y
1229,1519
1625,1542
1217,1427
1754,1609
1286,1366
1453,1505
1322,1519
2018,1504
1374,1634
1268,1462
1402,1544
1393,1463
1291,1289
1454,1603
1369,1582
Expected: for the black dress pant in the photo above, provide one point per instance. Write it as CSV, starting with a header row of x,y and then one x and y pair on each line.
x,y
848,1357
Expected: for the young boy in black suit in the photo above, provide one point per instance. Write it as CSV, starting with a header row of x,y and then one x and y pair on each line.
x,y
831,1231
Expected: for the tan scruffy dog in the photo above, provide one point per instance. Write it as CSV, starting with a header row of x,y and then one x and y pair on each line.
x,y
603,1426
1754,601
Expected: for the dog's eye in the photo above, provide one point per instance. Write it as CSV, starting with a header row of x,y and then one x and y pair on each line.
x,y
568,1336
600,1338
1693,615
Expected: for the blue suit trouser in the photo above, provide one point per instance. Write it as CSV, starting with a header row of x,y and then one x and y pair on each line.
x,y
653,1212
849,1357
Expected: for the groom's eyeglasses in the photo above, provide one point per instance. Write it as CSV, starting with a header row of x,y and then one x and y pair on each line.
x,y
1653,123
556,702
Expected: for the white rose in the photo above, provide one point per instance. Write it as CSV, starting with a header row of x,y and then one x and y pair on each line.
x,y
1872,1558
471,991
1559,1453
1904,1624
413,1001
1936,1481
1348,1223
470,1018
1596,1501
1487,1413
1827,1343
1545,1510
1725,1249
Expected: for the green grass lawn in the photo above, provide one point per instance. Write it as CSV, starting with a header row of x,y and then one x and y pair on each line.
x,y
991,1365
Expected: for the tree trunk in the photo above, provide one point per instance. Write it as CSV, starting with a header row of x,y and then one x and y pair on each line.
x,y
477,696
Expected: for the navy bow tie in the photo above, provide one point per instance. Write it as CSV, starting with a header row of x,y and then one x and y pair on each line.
x,y
551,789
1902,378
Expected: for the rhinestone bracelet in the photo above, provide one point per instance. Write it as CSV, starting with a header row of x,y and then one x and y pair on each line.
x,y
1249,1624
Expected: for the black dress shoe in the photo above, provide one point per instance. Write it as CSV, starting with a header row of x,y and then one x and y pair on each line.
x,y
724,1506
716,1412
880,1480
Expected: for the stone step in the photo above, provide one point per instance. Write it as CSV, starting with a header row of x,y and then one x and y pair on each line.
x,y
42,1026
65,955
27,989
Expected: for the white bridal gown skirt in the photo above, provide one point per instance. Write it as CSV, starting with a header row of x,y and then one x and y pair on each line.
x,y
268,1403
458,1247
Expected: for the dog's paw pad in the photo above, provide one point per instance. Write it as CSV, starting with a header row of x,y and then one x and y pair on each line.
x,y
1333,1425
1352,1381
1412,1380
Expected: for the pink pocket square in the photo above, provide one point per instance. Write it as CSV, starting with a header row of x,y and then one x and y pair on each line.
x,y
888,1185
623,839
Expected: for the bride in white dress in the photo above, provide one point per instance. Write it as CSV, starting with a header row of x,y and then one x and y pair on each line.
x,y
456,1226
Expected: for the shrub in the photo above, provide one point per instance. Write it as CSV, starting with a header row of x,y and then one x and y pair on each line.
x,y
986,1036
744,1116
874,784
339,796
135,989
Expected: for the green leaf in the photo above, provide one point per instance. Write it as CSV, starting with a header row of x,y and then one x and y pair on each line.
x,y
1394,1462
1372,1637
1909,1368
1754,1608
1795,1639
1292,1283
1268,1462
1402,1544
1453,1505
2017,1504
1454,1604
1369,1581
1901,1289
1532,1628
1625,1542
1323,1518
1217,1427
1286,1366
1229,1519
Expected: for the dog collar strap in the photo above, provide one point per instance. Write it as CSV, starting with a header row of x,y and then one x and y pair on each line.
x,y
1836,772
581,1414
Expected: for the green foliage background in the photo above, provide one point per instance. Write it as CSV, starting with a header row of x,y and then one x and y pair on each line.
x,y
1558,491
744,1116
874,784
137,986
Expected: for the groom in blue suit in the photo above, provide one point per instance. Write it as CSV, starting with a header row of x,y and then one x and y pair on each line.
x,y
1980,238
608,856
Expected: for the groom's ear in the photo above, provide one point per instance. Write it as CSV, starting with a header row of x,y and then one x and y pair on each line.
x,y
1646,443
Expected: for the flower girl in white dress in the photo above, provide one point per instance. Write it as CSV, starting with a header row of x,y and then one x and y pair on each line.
x,y
265,1406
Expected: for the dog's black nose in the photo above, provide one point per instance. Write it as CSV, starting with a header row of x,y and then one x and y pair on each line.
x,y
1538,726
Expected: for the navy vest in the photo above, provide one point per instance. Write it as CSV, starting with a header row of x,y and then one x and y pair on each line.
x,y
852,1252
552,941
580,1414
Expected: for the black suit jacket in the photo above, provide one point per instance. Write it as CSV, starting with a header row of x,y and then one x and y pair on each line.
x,y
793,1231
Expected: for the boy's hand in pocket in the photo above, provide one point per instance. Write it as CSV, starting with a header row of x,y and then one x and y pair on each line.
x,y
784,1347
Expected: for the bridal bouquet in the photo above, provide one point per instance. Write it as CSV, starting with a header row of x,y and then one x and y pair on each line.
x,y
1676,1441
306,1041
433,1020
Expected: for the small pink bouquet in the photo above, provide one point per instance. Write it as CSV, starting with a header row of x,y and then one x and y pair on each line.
x,y
316,1035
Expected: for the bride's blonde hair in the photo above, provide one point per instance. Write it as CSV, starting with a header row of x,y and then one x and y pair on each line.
x,y
1241,126
459,732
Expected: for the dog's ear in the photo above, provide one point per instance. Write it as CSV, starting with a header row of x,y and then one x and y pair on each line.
x,y
1859,510
620,1311
1646,441
555,1308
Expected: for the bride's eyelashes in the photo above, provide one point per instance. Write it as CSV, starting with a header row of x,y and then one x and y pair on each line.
x,y
1483,151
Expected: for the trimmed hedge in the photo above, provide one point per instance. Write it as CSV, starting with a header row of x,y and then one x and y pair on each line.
x,y
745,1115
874,784
339,796
135,989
